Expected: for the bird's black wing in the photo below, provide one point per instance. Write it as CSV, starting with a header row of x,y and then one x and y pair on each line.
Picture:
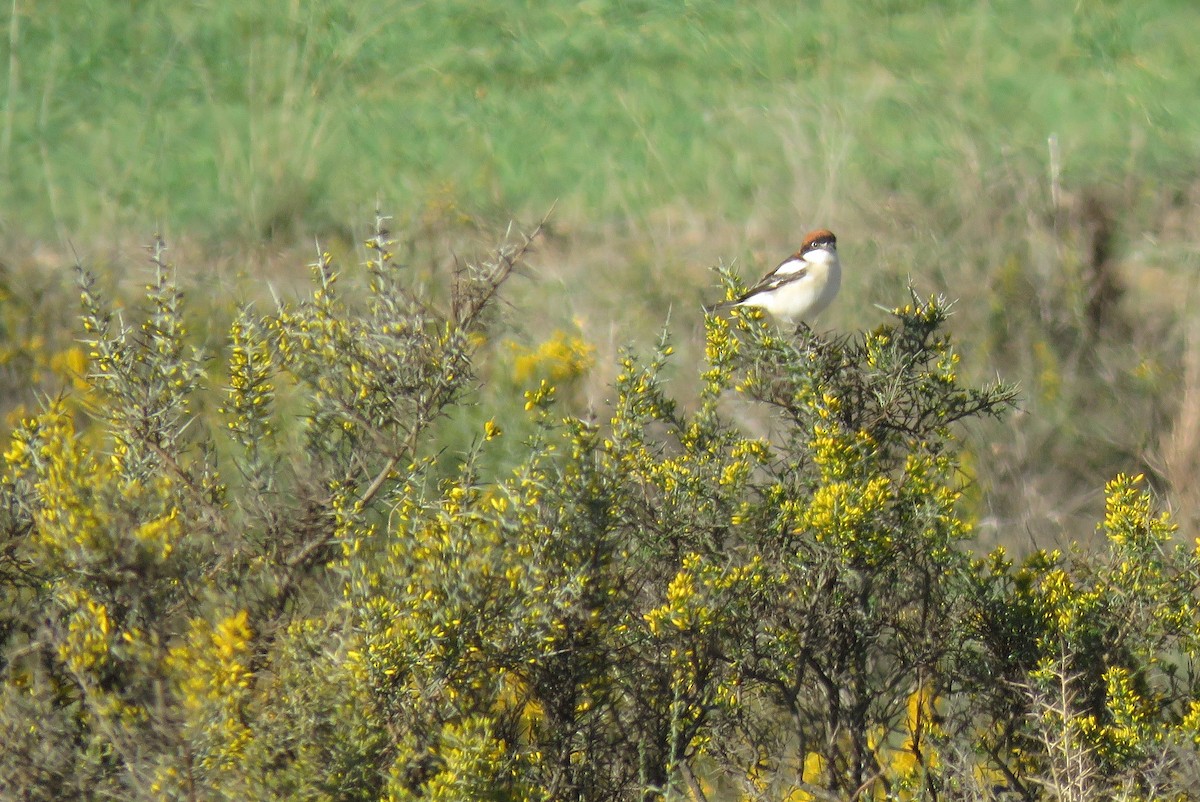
x,y
773,281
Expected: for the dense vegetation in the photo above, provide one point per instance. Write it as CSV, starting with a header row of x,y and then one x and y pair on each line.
x,y
434,519
294,594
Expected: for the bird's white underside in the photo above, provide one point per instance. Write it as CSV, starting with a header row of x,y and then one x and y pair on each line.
x,y
806,297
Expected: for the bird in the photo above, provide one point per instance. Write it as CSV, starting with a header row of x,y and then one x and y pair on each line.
x,y
803,284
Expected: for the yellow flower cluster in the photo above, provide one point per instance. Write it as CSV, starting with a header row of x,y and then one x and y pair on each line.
x,y
696,599
561,358
1128,521
472,764
66,474
837,453
87,642
251,391
211,673
844,511
213,664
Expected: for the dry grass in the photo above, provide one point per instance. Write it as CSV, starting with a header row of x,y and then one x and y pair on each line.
x,y
985,168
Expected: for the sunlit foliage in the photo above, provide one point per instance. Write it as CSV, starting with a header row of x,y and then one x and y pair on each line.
x,y
255,575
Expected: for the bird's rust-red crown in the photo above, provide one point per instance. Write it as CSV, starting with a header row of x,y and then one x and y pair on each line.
x,y
818,238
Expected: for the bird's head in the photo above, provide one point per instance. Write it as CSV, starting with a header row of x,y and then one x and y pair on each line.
x,y
819,246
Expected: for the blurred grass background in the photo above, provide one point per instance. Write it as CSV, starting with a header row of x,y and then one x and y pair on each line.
x,y
1036,160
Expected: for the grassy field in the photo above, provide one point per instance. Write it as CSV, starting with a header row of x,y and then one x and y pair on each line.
x,y
291,119
1025,158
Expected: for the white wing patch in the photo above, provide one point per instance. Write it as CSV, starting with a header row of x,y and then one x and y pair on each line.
x,y
789,266
788,271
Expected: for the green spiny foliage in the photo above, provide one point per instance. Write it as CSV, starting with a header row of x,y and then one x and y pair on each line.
x,y
1088,664
252,576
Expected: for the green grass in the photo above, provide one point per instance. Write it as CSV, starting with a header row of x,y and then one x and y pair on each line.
x,y
668,137
249,121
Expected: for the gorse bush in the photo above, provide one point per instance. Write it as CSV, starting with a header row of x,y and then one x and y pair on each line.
x,y
255,575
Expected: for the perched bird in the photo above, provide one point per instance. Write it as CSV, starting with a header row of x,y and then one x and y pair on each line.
x,y
803,284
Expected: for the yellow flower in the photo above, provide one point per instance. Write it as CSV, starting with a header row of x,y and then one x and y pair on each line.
x,y
561,358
